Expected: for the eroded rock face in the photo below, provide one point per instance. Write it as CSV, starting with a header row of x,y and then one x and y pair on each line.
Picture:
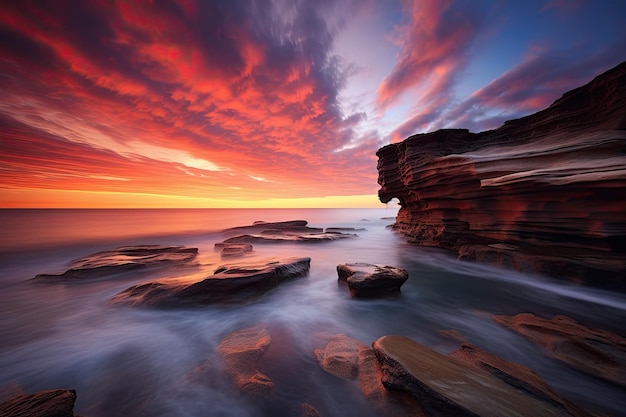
x,y
51,403
446,387
241,350
370,280
596,352
542,193
516,375
241,281
123,259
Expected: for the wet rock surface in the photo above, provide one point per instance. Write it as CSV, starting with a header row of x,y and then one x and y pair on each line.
x,y
123,259
370,280
241,350
445,387
236,282
596,352
544,193
340,356
50,403
516,375
232,250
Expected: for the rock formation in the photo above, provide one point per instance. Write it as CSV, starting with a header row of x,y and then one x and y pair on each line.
x,y
232,282
51,403
123,259
370,280
545,193
281,232
446,387
596,352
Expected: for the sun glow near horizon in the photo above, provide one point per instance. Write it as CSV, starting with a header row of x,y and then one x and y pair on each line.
x,y
102,199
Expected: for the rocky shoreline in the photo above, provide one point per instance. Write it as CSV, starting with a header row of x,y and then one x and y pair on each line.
x,y
395,375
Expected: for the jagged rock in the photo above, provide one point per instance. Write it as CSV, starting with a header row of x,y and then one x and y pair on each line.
x,y
51,403
370,280
230,250
516,375
545,193
593,351
445,387
232,282
241,350
348,358
123,259
340,356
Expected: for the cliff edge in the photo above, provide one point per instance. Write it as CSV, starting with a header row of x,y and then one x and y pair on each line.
x,y
545,193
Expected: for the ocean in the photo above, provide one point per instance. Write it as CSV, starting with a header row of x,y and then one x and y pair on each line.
x,y
138,361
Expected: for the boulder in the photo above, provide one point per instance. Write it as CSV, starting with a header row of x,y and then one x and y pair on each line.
x,y
241,350
445,387
51,403
234,282
516,375
544,193
371,280
596,352
123,259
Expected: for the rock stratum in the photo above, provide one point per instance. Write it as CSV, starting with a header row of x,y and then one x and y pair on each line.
x,y
545,193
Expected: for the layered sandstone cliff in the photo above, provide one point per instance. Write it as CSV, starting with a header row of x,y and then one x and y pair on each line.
x,y
545,193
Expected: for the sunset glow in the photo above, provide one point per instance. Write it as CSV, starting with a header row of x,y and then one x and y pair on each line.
x,y
267,103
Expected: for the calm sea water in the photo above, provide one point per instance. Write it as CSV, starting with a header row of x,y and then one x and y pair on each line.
x,y
126,361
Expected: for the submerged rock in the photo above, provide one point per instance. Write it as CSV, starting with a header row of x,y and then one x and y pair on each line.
x,y
123,259
241,350
445,387
596,352
544,193
370,280
516,375
51,403
241,281
340,356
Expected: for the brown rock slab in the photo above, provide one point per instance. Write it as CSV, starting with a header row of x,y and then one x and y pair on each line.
x,y
371,280
596,352
516,375
51,403
544,193
123,259
445,387
236,282
241,350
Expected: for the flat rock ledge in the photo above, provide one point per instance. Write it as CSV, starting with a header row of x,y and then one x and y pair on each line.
x,y
123,259
370,280
231,250
50,403
237,282
596,352
240,351
516,375
282,232
445,386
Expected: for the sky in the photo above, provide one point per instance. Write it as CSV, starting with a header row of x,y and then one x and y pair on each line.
x,y
267,103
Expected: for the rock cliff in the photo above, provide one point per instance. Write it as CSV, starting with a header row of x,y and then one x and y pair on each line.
x,y
545,193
